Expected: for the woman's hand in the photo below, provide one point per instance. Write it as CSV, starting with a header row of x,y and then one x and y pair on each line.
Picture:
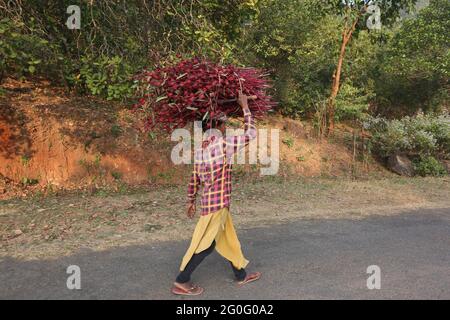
x,y
243,100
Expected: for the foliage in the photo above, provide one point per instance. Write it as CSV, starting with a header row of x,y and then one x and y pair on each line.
x,y
300,40
297,41
116,39
289,142
21,52
396,71
428,166
107,77
415,67
351,103
422,135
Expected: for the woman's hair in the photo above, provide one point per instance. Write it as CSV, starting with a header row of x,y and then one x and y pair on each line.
x,y
215,123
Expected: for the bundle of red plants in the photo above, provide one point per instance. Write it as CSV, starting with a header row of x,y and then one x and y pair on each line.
x,y
199,90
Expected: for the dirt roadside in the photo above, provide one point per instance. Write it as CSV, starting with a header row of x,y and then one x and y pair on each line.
x,y
48,227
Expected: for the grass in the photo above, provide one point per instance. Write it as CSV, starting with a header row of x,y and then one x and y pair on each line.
x,y
56,225
116,130
29,181
25,160
289,141
116,175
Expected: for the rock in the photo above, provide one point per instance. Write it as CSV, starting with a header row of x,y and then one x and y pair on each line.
x,y
401,165
18,232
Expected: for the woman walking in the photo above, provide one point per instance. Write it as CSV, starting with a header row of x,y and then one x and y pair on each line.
x,y
215,230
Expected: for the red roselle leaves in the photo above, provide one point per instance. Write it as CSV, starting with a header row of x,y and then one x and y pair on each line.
x,y
195,89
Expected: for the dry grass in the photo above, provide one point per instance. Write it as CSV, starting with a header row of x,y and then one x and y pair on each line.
x,y
49,227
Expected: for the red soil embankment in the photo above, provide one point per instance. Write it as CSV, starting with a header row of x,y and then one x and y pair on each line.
x,y
50,138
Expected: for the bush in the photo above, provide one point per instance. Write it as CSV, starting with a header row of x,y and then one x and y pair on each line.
x,y
428,166
21,51
106,77
116,39
420,136
352,103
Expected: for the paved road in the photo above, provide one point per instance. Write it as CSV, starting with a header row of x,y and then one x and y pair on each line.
x,y
307,259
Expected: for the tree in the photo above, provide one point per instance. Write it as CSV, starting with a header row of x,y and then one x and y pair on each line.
x,y
415,67
116,39
295,40
353,12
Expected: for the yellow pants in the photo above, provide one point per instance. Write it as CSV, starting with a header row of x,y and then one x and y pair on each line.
x,y
216,226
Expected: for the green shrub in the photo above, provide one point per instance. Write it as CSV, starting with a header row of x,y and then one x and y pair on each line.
x,y
428,166
351,102
109,77
116,39
289,142
422,135
116,175
21,51
116,130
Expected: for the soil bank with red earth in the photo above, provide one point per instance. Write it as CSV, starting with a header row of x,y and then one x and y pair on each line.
x,y
54,140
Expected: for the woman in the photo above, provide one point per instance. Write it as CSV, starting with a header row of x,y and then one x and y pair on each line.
x,y
212,169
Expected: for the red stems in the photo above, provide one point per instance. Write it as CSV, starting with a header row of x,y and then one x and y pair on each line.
x,y
192,88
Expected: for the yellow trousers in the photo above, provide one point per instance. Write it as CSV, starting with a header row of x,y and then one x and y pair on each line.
x,y
216,226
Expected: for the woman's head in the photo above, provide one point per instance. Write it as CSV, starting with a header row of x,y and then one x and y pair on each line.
x,y
219,122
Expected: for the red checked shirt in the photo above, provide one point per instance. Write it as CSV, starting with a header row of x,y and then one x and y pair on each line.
x,y
213,167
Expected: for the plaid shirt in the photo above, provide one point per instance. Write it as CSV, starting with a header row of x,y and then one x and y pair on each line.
x,y
212,167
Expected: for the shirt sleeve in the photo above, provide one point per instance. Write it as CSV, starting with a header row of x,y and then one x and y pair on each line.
x,y
238,142
193,185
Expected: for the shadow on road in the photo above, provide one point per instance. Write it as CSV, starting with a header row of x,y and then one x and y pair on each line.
x,y
308,259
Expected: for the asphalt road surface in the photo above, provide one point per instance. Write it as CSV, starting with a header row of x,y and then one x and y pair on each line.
x,y
306,259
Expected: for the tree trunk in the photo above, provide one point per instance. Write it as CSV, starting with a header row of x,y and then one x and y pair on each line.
x,y
346,36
